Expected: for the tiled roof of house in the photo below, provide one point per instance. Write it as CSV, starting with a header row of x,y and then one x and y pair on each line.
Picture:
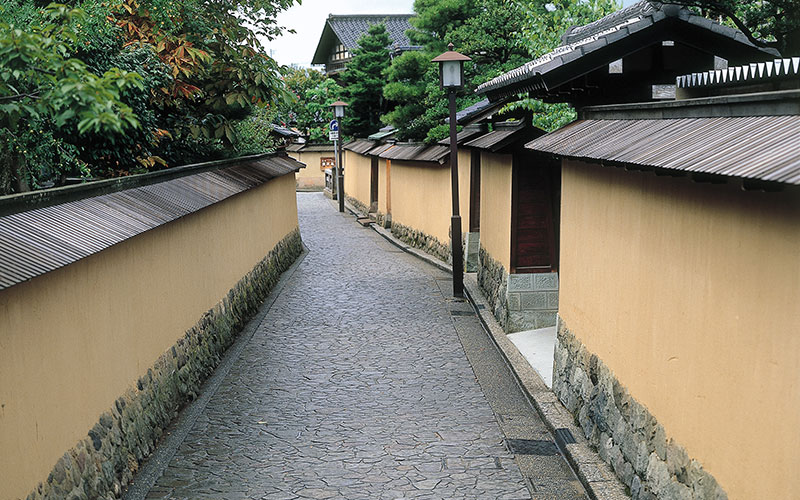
x,y
348,29
581,41
352,27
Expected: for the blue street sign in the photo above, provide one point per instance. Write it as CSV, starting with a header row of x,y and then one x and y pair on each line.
x,y
334,127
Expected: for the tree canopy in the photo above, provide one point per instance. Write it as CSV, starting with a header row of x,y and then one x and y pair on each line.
x,y
129,85
363,82
766,23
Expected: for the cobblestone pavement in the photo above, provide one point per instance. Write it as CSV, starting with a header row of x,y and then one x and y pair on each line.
x,y
358,385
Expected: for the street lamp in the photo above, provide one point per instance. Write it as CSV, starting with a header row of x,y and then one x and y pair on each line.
x,y
451,79
338,112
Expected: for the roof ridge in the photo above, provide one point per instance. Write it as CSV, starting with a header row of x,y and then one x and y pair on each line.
x,y
331,16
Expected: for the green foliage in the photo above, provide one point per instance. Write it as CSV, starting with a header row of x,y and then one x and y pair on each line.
x,y
767,23
309,110
488,31
545,22
125,86
363,82
255,132
407,80
38,78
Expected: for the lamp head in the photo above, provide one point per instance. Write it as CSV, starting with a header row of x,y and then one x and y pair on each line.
x,y
338,108
451,68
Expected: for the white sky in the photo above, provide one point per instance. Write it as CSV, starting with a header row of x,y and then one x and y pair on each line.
x,y
308,20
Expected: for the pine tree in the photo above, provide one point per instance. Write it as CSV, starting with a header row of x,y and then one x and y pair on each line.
x,y
363,82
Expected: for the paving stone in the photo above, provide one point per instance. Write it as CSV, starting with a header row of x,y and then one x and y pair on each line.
x,y
356,385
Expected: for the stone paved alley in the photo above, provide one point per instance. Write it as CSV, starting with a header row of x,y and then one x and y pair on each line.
x,y
365,381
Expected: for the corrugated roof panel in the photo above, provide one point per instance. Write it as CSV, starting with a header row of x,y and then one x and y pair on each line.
x,y
40,240
764,148
403,151
380,149
360,146
435,153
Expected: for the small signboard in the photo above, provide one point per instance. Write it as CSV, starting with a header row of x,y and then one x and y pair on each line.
x,y
333,131
326,163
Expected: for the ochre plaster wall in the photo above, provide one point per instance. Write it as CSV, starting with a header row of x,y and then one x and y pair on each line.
x,y
73,340
689,293
382,185
312,176
421,197
357,171
496,207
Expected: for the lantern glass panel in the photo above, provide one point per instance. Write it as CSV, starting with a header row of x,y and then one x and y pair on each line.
x,y
451,74
338,111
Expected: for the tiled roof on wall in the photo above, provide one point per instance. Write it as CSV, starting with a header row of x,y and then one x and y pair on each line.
x,y
36,241
763,148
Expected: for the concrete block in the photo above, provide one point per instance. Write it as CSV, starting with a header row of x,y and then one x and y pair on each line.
x,y
533,301
552,300
543,319
514,302
545,281
520,282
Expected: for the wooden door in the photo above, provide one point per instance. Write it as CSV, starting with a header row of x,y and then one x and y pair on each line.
x,y
373,185
475,191
534,214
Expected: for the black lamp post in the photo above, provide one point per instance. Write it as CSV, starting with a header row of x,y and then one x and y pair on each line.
x,y
451,79
338,112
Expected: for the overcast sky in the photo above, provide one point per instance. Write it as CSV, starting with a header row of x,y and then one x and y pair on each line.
x,y
308,20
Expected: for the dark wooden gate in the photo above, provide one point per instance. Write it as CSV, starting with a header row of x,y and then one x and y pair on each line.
x,y
373,186
536,197
475,191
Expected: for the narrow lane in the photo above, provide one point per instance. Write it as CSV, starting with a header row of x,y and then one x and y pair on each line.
x,y
357,386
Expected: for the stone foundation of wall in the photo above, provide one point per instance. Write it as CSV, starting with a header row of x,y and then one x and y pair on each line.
x,y
358,205
472,244
423,241
623,431
106,460
532,301
493,280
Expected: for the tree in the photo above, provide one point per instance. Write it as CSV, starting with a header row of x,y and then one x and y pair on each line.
x,y
311,94
545,22
488,31
39,81
766,23
363,82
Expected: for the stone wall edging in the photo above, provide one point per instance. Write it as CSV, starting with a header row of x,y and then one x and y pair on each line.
x,y
493,281
624,433
423,241
102,463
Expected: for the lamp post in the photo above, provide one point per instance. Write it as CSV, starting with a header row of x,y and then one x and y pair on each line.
x,y
338,112
451,79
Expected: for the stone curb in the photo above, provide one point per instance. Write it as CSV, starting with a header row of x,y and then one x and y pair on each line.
x,y
174,435
597,477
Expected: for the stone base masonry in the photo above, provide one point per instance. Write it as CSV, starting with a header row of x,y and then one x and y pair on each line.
x,y
106,460
532,301
519,301
623,431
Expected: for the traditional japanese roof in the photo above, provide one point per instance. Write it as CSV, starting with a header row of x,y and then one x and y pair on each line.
x,y
285,131
597,44
762,148
505,134
348,29
752,73
323,147
360,146
69,224
467,133
383,133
